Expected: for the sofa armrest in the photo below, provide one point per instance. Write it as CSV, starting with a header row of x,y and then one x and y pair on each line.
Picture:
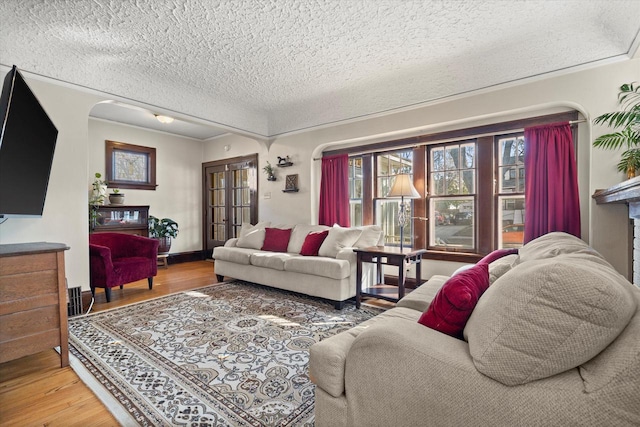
x,y
101,265
427,375
347,254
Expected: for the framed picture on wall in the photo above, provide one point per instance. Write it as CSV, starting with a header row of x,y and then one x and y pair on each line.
x,y
130,166
291,183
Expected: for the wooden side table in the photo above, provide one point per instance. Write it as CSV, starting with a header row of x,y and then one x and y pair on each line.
x,y
382,255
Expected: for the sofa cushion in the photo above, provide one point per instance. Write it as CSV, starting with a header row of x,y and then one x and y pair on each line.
x,y
546,316
313,242
338,238
252,237
551,245
235,255
617,368
276,239
324,267
273,260
299,234
420,298
453,304
500,266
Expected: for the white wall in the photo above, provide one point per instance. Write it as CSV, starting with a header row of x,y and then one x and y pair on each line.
x,y
178,175
64,220
592,92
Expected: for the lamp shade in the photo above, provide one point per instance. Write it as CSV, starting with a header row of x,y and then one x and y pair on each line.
x,y
403,187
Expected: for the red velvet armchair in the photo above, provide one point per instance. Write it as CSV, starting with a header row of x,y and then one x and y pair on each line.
x,y
116,259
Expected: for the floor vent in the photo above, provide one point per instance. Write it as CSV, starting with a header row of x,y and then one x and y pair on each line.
x,y
74,306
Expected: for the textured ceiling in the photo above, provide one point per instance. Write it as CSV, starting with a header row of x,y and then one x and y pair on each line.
x,y
272,67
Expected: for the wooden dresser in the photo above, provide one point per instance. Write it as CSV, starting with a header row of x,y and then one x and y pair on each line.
x,y
33,300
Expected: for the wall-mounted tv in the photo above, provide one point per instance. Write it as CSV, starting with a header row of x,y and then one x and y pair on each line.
x,y
27,143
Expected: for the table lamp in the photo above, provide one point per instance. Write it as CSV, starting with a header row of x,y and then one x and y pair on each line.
x,y
403,187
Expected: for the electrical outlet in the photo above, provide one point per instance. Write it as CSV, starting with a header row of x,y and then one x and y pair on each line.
x,y
267,195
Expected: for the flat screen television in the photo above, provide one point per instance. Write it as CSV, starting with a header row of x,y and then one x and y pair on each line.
x,y
27,144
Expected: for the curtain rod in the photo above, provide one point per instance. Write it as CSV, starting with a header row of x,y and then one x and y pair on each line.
x,y
400,147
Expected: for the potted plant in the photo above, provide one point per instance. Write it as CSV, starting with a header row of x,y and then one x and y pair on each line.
x,y
163,230
628,119
96,198
116,197
98,190
268,169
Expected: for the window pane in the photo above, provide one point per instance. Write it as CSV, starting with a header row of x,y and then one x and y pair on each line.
x,y
452,223
389,165
438,184
437,159
355,208
511,221
511,164
387,218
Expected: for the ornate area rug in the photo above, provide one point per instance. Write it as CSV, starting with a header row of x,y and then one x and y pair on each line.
x,y
233,354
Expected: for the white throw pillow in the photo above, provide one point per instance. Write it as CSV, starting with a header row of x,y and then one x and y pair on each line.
x,y
247,227
299,234
338,239
544,317
370,236
252,237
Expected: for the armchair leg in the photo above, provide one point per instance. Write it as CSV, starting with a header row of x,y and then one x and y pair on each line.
x,y
150,279
121,286
220,277
107,293
93,292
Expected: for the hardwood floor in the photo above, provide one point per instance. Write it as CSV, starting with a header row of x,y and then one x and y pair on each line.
x,y
35,391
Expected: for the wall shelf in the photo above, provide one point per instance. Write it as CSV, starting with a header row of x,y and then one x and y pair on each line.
x,y
292,190
285,165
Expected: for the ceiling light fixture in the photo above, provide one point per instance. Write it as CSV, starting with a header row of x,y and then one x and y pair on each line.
x,y
164,119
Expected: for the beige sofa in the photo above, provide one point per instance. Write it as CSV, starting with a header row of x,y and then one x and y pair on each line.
x,y
554,341
330,275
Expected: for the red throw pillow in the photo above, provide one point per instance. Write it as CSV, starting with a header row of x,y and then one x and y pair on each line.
x,y
497,254
312,243
455,301
276,239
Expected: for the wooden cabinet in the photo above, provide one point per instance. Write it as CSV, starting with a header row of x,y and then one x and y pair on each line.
x,y
33,300
121,219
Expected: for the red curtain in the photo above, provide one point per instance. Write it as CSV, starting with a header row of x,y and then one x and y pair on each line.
x,y
551,189
334,191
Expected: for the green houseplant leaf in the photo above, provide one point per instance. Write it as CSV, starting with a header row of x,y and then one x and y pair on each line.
x,y
165,227
629,136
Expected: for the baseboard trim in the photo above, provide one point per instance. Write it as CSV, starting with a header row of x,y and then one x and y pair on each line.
x,y
181,257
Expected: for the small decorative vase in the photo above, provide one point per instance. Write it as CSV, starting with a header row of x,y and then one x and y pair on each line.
x,y
116,199
271,178
165,245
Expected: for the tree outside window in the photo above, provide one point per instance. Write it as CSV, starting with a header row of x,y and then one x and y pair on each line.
x,y
452,196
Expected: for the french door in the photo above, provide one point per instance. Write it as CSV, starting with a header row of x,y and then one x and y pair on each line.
x,y
229,199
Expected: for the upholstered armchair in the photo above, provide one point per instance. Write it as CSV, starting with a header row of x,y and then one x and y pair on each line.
x,y
117,259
